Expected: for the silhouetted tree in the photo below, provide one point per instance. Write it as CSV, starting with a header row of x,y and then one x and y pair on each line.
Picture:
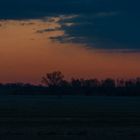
x,y
138,82
56,85
108,83
130,83
120,83
53,79
91,83
76,83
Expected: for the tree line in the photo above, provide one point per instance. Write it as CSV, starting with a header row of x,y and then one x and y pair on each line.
x,y
55,84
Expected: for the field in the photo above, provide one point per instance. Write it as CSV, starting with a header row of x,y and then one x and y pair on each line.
x,y
69,117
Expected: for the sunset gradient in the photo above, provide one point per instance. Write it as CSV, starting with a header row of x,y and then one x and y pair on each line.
x,y
28,50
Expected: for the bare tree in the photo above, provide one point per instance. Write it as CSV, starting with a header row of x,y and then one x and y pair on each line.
x,y
53,79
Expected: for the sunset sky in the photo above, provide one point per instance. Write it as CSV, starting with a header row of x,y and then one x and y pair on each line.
x,y
81,38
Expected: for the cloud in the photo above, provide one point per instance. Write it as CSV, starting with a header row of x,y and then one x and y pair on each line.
x,y
106,14
26,23
46,30
105,24
113,30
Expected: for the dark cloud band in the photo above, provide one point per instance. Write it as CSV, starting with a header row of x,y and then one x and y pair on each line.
x,y
107,24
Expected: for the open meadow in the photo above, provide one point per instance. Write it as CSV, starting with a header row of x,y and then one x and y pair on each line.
x,y
69,117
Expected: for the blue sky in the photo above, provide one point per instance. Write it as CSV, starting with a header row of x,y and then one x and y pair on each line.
x,y
103,24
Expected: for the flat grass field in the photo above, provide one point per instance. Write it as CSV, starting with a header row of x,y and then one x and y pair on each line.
x,y
69,117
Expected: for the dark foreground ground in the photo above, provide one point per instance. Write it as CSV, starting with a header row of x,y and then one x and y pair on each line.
x,y
70,117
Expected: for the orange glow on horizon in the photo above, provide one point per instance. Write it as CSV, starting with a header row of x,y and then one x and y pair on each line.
x,y
25,55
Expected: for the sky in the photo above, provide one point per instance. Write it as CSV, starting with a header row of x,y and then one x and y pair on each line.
x,y
81,38
99,23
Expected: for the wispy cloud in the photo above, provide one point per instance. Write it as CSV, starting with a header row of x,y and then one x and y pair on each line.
x,y
46,30
107,14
